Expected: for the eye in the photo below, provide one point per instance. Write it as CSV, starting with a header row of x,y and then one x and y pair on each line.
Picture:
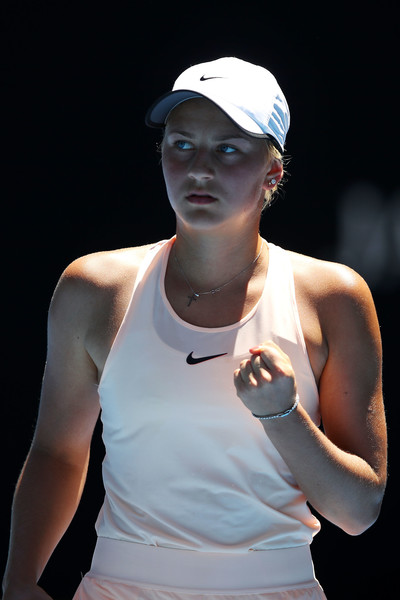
x,y
226,149
183,145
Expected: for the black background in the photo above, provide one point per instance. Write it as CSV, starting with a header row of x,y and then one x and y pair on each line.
x,y
81,174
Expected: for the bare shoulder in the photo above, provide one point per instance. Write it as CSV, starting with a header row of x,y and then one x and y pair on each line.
x,y
323,279
98,282
340,295
324,276
99,274
106,269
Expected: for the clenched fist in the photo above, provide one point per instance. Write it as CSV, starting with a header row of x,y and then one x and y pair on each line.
x,y
265,382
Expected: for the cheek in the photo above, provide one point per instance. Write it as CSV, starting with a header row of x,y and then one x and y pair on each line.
x,y
173,179
172,169
169,172
250,182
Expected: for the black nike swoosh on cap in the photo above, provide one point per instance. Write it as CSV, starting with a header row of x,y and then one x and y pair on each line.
x,y
195,361
203,78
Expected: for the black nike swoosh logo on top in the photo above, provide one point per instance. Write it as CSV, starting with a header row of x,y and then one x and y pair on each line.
x,y
203,78
195,361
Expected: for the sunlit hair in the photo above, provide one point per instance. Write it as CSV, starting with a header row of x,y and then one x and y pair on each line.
x,y
271,195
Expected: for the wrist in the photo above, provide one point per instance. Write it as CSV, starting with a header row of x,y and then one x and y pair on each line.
x,y
281,414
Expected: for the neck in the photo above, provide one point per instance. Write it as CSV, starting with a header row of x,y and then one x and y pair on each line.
x,y
209,261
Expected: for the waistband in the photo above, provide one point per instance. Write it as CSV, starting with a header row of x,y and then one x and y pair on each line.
x,y
194,570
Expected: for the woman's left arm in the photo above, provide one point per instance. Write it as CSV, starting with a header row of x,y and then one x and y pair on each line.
x,y
341,470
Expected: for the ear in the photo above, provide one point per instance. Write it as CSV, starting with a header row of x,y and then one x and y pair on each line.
x,y
274,175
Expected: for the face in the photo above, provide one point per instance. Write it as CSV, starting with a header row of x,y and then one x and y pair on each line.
x,y
215,174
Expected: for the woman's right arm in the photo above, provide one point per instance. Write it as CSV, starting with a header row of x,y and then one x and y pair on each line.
x,y
52,480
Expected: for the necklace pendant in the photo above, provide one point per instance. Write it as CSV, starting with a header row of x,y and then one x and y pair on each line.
x,y
192,298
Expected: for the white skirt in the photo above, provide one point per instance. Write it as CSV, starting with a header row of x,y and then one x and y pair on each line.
x,y
127,571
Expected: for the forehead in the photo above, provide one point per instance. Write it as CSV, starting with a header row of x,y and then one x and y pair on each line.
x,y
201,112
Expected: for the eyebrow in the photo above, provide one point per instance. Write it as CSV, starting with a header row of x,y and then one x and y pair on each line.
x,y
220,138
232,137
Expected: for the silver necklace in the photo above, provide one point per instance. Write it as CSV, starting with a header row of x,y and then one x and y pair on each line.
x,y
196,295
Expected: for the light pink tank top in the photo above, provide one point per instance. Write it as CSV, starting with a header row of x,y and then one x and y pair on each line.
x,y
187,465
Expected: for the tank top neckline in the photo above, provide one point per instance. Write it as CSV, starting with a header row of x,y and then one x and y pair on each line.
x,y
161,285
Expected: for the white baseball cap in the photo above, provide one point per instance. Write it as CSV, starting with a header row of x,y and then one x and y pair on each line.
x,y
247,93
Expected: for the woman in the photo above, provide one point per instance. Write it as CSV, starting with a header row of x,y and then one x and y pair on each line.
x,y
213,356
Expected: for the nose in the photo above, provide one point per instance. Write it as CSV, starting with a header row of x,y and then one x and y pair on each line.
x,y
200,168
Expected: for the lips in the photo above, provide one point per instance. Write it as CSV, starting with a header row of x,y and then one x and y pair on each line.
x,y
200,197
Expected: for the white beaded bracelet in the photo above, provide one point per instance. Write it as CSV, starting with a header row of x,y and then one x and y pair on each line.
x,y
285,413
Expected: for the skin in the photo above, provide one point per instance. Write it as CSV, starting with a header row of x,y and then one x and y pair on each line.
x,y
216,177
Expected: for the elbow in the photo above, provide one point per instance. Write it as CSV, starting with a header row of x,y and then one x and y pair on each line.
x,y
362,517
358,527
363,524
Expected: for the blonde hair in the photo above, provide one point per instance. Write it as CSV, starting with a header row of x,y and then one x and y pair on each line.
x,y
271,194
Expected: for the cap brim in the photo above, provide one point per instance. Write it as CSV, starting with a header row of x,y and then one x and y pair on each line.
x,y
157,114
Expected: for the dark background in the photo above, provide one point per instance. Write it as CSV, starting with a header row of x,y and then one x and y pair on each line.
x,y
80,174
